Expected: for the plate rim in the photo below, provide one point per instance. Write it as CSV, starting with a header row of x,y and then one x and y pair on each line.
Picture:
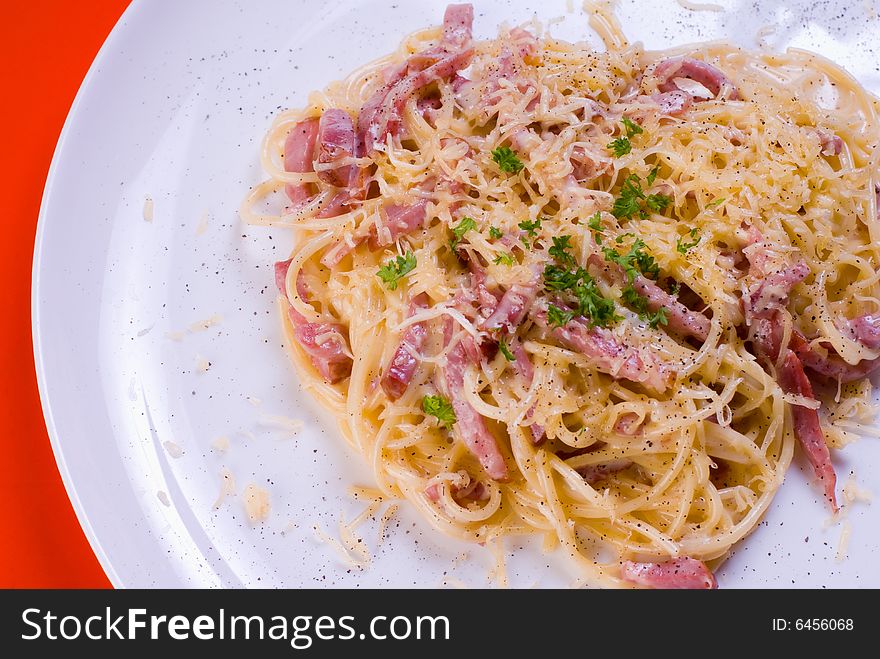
x,y
70,487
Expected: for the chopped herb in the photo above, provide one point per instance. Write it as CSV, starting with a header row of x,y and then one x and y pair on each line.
x,y
506,160
627,204
683,247
716,202
620,147
505,350
595,224
495,233
674,288
560,279
466,224
652,176
525,242
558,317
657,318
658,202
531,227
634,262
396,269
439,407
593,305
559,250
639,304
632,128
506,259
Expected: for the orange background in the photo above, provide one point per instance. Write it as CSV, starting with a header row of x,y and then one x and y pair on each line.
x,y
46,47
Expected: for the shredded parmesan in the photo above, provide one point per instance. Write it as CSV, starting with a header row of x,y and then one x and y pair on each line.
x,y
202,364
148,209
282,423
206,324
174,450
221,444
256,503
227,487
163,497
699,6
202,226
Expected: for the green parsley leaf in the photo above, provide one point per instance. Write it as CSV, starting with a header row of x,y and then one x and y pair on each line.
x,y
634,262
632,128
658,202
559,250
593,305
674,288
396,269
506,259
466,224
639,304
652,176
683,247
558,317
495,233
439,407
620,147
506,160
560,279
628,203
531,227
716,202
505,350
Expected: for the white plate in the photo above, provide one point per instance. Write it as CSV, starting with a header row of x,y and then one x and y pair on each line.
x,y
174,108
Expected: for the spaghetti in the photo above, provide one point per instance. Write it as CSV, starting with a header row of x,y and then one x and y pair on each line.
x,y
596,296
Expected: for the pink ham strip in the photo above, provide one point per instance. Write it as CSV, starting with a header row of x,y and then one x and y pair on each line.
x,y
380,115
299,149
830,365
866,330
512,309
336,141
764,309
687,67
680,573
673,103
470,426
324,343
807,429
771,293
398,220
681,319
830,143
609,356
406,359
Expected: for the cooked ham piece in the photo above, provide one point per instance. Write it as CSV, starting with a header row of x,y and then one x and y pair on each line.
x,y
673,103
807,428
513,307
831,144
866,330
325,343
689,68
299,149
397,220
470,426
765,311
336,141
680,319
407,357
380,115
610,356
770,293
680,573
830,364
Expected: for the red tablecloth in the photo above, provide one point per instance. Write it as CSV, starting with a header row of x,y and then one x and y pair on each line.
x,y
46,48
